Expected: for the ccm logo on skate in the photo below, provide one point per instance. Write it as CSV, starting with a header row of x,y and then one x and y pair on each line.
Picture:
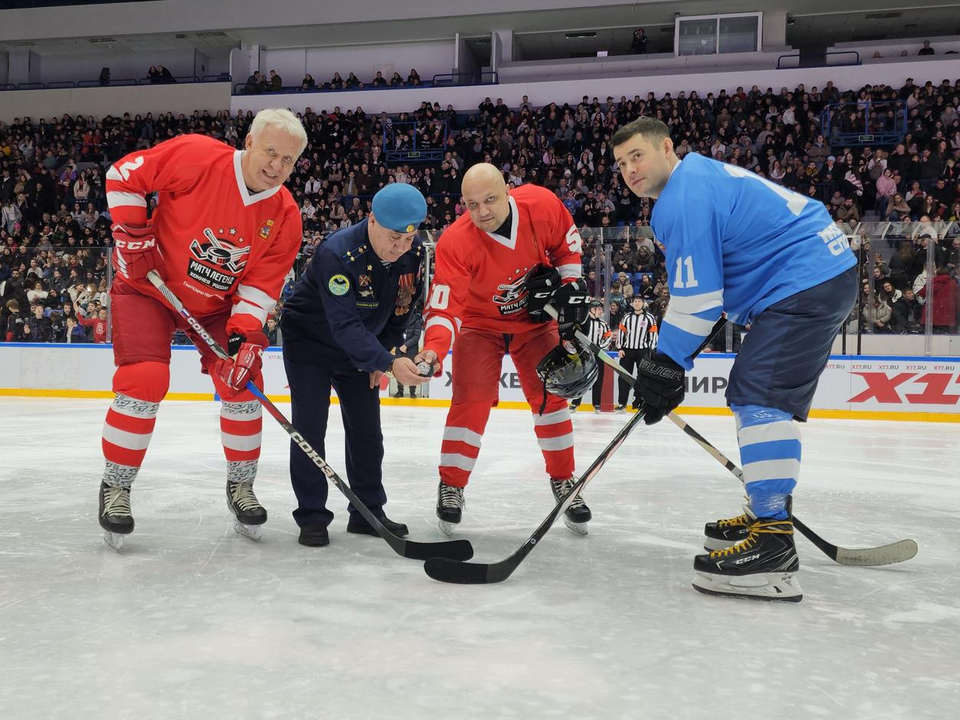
x,y
741,561
882,388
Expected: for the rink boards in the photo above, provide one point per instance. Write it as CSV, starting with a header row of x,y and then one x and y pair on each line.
x,y
866,387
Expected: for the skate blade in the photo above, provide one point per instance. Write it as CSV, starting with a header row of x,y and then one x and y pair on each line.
x,y
578,528
710,544
447,528
251,532
782,587
114,540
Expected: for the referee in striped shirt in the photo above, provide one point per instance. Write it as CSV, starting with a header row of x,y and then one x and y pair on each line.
x,y
599,332
638,332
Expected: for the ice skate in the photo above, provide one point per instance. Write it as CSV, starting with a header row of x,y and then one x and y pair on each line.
x,y
578,514
762,566
115,517
450,505
248,513
724,533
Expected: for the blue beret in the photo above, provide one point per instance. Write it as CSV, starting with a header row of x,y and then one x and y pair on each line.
x,y
399,207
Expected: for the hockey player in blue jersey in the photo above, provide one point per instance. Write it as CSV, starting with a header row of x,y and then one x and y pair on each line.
x,y
739,244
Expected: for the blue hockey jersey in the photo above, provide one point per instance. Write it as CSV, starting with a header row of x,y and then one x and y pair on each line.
x,y
737,243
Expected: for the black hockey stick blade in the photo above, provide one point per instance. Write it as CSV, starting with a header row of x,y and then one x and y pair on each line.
x,y
897,552
464,573
449,550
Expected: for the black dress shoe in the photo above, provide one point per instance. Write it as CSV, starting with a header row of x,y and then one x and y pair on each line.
x,y
359,526
314,536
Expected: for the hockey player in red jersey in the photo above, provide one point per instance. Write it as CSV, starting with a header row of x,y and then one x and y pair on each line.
x,y
479,305
224,234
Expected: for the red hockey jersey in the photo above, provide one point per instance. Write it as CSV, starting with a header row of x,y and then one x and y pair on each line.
x,y
222,245
478,281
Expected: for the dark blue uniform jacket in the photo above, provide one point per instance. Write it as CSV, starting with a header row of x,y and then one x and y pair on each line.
x,y
348,310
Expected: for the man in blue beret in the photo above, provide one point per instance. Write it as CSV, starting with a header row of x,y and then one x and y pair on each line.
x,y
348,311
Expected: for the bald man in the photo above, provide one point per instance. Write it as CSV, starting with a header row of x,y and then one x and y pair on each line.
x,y
478,306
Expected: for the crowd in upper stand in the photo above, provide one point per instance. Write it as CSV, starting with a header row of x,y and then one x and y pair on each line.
x,y
53,218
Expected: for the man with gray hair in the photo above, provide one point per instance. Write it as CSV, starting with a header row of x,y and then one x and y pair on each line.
x,y
223,236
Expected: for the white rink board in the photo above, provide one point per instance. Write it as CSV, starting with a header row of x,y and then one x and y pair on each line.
x,y
865,384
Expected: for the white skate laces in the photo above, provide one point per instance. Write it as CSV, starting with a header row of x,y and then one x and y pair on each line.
x,y
116,501
562,488
450,496
241,493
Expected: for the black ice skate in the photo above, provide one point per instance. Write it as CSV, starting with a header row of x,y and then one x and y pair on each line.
x,y
578,514
449,507
761,566
724,533
248,513
115,517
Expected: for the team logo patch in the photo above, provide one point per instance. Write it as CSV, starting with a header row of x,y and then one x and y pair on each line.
x,y
513,297
265,230
339,285
216,263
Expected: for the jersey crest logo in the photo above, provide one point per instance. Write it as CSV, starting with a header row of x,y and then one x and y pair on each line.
x,y
216,263
265,230
512,298
339,285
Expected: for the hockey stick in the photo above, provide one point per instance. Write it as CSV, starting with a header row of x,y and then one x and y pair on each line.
x,y
453,549
899,551
467,573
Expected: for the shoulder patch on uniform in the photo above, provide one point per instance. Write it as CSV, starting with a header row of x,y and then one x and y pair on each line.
x,y
339,285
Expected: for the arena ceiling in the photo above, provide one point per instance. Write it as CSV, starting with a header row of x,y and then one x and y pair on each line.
x,y
540,32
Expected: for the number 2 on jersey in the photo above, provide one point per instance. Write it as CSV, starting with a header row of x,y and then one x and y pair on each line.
x,y
795,201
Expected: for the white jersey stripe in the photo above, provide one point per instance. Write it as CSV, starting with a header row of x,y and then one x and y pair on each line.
x,y
689,323
692,304
125,199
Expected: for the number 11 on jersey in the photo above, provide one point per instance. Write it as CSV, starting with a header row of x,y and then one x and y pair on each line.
x,y
691,278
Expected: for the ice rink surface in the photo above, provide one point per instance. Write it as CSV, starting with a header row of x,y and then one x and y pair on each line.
x,y
192,621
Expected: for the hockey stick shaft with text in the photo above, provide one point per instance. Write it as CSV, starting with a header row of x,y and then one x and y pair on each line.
x,y
454,549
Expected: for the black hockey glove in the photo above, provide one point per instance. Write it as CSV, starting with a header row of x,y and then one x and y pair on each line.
x,y
541,284
659,386
572,303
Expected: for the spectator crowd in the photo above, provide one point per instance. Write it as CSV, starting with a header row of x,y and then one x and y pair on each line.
x,y
54,226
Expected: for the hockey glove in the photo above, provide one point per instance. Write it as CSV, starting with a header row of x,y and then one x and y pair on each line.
x,y
659,386
246,353
573,307
541,284
135,251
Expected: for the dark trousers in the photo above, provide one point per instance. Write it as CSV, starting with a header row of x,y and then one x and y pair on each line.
x,y
788,346
360,408
630,360
597,390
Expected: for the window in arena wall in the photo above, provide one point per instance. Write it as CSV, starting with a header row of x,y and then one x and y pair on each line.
x,y
712,34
